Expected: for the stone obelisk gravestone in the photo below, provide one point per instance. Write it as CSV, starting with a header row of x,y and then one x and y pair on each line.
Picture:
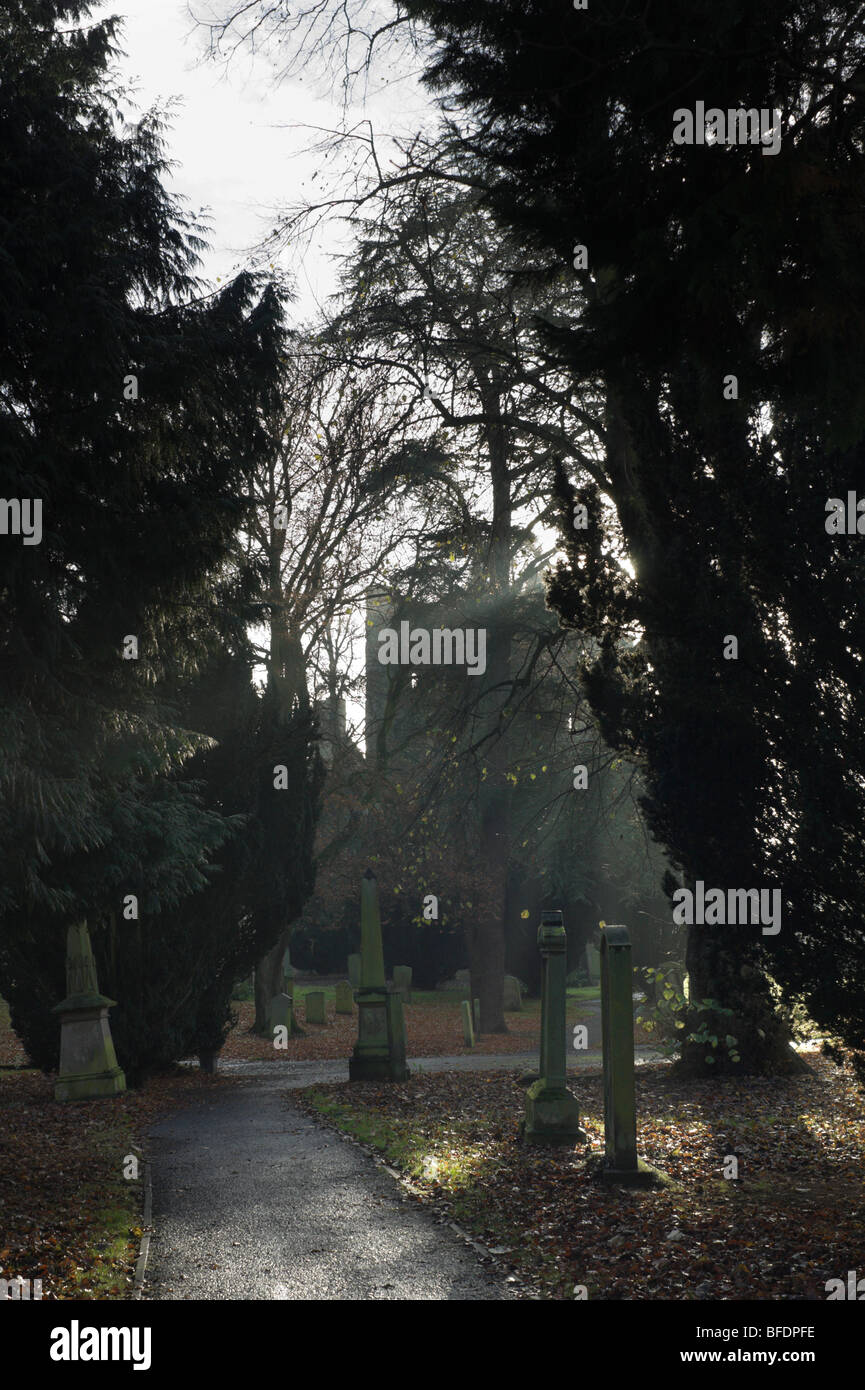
x,y
552,1113
621,1163
88,1065
379,1053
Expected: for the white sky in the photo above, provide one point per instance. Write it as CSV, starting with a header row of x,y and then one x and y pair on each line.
x,y
236,155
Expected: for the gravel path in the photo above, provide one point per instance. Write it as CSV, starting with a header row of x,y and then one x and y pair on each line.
x,y
253,1200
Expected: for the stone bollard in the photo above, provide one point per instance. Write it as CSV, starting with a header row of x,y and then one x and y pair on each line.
x,y
552,1113
621,1164
468,1030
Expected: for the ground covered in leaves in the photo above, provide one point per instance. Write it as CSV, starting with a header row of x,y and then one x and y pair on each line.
x,y
433,1029
792,1221
67,1214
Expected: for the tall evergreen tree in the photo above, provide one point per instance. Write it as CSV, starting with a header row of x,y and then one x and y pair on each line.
x,y
703,264
130,414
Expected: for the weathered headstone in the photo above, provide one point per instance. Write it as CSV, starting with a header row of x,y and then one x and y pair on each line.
x,y
552,1113
344,998
476,1016
287,974
281,1014
593,964
468,1030
513,996
376,1055
354,970
463,978
315,1010
621,1163
88,1063
402,981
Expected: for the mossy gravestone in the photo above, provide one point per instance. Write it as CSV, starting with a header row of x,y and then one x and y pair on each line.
x,y
513,994
88,1064
314,1003
344,998
552,1113
402,981
281,1015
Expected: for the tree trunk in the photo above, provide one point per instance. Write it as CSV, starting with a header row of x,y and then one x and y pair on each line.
x,y
268,981
722,966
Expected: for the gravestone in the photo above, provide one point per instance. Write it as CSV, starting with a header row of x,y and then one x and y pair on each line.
x,y
281,1014
88,1063
552,1113
476,1016
376,1055
287,974
354,970
344,998
402,981
513,996
593,964
314,1003
468,1030
463,979
620,1162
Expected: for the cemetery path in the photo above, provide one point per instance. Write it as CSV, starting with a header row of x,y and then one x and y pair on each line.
x,y
253,1200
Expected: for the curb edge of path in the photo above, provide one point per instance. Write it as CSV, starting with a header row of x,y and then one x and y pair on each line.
x,y
519,1286
144,1249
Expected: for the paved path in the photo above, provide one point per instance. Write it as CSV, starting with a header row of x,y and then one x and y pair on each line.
x,y
253,1200
298,1074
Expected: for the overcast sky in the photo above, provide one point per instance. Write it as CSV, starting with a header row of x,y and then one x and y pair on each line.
x,y
236,154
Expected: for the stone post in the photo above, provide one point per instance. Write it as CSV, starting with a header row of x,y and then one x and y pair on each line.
x,y
468,1030
621,1163
552,1113
88,1063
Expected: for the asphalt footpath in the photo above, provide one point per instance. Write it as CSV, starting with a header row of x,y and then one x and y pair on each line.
x,y
254,1200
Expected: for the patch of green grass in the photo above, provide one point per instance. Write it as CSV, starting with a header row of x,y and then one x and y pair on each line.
x,y
585,992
